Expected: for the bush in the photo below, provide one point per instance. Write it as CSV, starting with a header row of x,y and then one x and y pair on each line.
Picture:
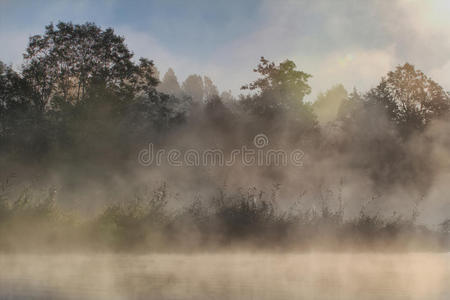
x,y
33,222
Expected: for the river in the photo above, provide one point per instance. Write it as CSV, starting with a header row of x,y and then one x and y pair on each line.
x,y
226,276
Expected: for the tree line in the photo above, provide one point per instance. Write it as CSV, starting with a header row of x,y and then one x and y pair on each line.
x,y
80,97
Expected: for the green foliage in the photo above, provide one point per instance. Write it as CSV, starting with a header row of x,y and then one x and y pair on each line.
x,y
283,80
66,60
410,98
244,216
250,219
351,106
133,224
17,117
32,221
279,98
194,88
169,84
81,96
327,104
279,90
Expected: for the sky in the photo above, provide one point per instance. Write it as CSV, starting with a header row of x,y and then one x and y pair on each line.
x,y
349,42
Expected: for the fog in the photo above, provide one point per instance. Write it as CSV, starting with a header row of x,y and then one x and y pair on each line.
x,y
226,276
111,150
120,179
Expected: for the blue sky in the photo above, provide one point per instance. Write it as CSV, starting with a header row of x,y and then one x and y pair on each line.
x,y
348,41
196,29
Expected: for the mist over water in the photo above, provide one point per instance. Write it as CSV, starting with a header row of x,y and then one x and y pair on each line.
x,y
226,276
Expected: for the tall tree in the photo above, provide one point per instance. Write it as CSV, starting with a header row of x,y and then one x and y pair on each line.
x,y
21,125
193,87
277,105
283,79
169,84
227,97
280,89
410,98
327,104
210,89
13,89
66,59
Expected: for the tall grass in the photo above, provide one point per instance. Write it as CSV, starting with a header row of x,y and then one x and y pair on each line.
x,y
33,221
241,219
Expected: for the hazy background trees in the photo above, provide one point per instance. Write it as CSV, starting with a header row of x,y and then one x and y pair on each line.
x,y
194,88
169,84
327,104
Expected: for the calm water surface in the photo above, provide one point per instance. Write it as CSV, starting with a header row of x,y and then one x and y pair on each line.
x,y
226,276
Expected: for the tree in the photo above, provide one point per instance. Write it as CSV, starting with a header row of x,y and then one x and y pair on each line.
x,y
280,90
327,104
14,91
210,90
193,87
283,79
227,97
351,106
66,60
410,98
22,128
219,115
155,114
169,84
14,100
278,103
445,226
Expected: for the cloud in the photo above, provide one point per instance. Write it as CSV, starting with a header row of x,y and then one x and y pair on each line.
x,y
350,42
442,75
359,68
